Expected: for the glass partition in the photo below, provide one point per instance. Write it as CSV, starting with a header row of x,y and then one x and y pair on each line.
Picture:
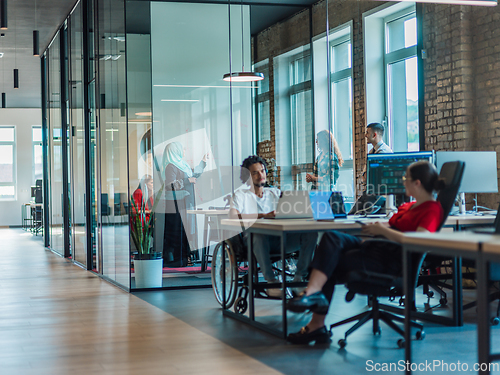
x,y
112,142
77,138
55,147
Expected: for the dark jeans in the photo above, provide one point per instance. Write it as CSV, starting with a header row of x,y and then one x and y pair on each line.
x,y
339,253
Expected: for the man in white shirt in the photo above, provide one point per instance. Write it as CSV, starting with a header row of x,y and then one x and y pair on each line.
x,y
374,135
258,202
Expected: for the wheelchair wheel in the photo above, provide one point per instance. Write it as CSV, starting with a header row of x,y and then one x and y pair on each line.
x,y
224,260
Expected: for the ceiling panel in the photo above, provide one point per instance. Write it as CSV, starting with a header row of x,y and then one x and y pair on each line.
x,y
16,42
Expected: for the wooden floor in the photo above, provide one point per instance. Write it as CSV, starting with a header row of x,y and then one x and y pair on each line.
x,y
56,318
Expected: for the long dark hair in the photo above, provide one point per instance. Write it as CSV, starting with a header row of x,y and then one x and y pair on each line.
x,y
427,174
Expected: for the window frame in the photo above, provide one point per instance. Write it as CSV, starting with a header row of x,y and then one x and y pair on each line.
x,y
14,163
33,144
260,98
293,90
390,58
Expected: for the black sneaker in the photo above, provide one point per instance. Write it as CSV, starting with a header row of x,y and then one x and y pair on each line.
x,y
320,336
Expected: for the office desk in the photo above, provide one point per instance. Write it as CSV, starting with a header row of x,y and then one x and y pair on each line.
x,y
459,222
452,244
212,217
280,228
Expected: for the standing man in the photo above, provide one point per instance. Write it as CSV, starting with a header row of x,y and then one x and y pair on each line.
x,y
258,201
374,135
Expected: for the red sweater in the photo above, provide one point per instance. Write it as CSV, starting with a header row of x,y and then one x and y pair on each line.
x,y
427,215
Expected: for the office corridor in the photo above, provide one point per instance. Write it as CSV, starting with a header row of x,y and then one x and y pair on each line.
x,y
56,318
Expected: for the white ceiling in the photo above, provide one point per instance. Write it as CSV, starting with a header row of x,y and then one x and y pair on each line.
x,y
17,45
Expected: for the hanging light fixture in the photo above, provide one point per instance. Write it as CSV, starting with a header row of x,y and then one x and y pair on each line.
x,y
4,96
36,44
240,76
3,14
16,71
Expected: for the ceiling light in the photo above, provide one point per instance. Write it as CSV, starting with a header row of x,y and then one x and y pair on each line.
x,y
3,14
36,44
115,57
1,55
144,114
239,76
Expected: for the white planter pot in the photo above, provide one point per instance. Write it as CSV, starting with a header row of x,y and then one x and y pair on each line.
x,y
148,273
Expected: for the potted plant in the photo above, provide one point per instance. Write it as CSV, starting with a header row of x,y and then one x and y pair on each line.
x,y
148,264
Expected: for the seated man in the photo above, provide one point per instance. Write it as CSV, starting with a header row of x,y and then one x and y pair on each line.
x,y
259,201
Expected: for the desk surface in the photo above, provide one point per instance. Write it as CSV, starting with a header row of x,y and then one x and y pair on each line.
x,y
208,212
470,220
453,240
294,224
493,245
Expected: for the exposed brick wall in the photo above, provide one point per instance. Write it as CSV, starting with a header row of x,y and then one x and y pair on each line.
x,y
461,74
448,76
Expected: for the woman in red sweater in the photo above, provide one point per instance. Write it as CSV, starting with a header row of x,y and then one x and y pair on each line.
x,y
339,253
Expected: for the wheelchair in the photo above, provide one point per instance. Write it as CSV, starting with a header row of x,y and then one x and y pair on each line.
x,y
230,264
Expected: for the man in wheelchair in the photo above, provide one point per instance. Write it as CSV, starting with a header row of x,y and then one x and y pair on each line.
x,y
260,201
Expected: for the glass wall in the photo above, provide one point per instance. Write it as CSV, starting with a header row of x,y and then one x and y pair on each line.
x,y
156,135
77,138
55,147
112,143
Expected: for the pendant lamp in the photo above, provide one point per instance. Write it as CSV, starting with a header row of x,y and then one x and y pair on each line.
x,y
3,14
36,44
240,76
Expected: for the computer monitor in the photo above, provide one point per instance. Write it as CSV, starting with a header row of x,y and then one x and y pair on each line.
x,y
385,170
480,174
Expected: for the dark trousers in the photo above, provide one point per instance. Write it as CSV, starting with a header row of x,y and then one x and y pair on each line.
x,y
339,253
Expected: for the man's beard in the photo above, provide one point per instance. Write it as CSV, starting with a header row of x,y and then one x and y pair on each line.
x,y
260,184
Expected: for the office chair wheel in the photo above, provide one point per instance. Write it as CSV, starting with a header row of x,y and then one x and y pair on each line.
x,y
495,321
420,335
240,305
377,331
401,301
401,343
350,296
342,343
443,301
224,261
430,294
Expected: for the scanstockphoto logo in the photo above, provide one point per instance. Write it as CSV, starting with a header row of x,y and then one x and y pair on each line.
x,y
436,365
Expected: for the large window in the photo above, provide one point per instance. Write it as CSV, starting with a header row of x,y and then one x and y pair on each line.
x,y
301,109
341,88
262,103
401,80
37,167
7,163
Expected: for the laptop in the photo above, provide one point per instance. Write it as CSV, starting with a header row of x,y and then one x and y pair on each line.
x,y
491,230
294,204
327,205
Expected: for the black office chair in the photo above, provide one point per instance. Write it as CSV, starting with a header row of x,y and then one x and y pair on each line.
x,y
377,285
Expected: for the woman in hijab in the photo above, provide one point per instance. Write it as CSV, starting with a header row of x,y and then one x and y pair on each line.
x,y
179,186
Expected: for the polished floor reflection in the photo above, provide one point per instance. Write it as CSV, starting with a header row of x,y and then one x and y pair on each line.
x,y
56,318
